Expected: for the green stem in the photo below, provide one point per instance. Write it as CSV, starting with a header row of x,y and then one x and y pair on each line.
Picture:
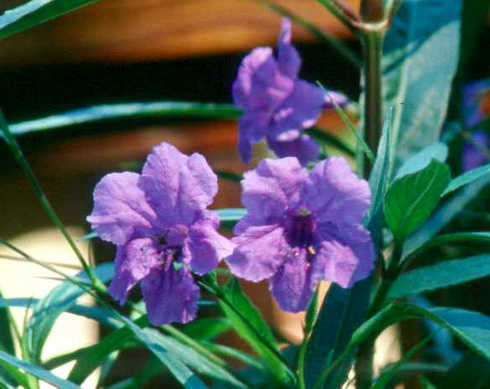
x,y
365,355
373,105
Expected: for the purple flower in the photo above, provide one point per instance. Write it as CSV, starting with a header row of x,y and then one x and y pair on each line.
x,y
159,222
302,227
278,105
474,156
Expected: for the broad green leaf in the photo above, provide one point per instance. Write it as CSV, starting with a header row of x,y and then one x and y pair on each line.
x,y
441,275
46,311
37,371
341,314
422,159
444,215
251,326
411,199
420,59
457,377
97,113
467,178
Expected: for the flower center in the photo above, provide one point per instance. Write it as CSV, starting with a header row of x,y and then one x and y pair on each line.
x,y
171,254
302,233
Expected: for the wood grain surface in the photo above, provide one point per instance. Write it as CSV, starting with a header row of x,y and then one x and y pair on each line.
x,y
144,30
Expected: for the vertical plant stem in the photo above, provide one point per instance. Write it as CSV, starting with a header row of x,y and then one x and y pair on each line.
x,y
373,104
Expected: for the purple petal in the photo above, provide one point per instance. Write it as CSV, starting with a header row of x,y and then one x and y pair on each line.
x,y
335,194
337,97
260,85
134,261
304,148
171,296
205,247
120,208
473,156
258,254
345,256
179,187
253,127
272,187
292,285
288,58
302,109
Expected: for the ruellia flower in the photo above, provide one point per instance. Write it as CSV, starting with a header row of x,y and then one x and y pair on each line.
x,y
278,105
163,232
474,151
302,227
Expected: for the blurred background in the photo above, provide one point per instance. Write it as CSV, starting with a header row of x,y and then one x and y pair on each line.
x,y
116,51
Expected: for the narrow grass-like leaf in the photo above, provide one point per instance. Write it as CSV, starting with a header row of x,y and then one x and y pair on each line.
x,y
250,325
380,178
456,237
6,334
24,164
207,329
411,199
231,214
37,371
157,109
441,275
327,138
59,300
467,178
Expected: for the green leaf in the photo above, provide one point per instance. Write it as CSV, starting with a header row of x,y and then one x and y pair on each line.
x,y
37,371
97,113
35,12
420,60
444,215
342,312
457,377
327,138
422,159
207,329
60,299
441,275
380,178
6,335
471,328
411,199
251,326
425,383
456,237
467,178
231,214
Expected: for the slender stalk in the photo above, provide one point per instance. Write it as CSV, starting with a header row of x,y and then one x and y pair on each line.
x,y
373,105
372,11
364,360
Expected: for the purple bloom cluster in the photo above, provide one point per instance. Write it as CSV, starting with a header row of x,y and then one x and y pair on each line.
x,y
302,227
159,222
278,105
